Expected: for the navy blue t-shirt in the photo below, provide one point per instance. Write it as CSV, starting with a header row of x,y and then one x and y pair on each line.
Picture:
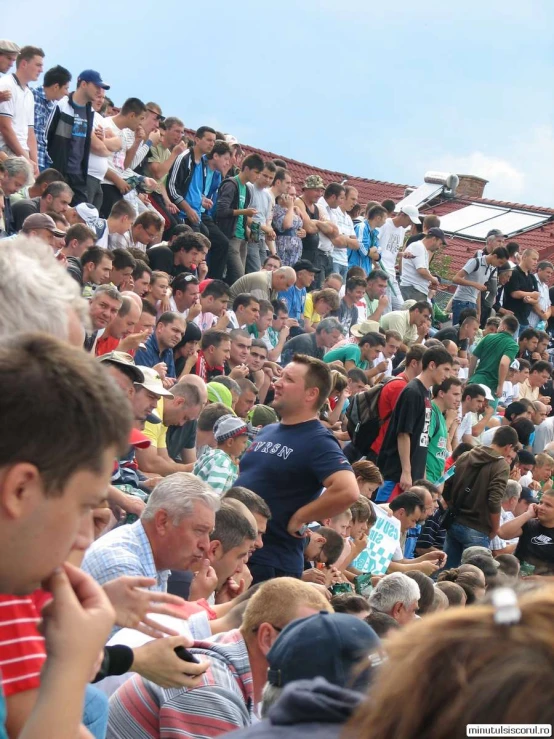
x,y
286,466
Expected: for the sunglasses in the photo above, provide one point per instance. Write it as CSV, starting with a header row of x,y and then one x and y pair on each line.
x,y
159,116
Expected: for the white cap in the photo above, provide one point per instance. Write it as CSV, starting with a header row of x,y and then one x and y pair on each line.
x,y
412,212
484,388
88,213
153,382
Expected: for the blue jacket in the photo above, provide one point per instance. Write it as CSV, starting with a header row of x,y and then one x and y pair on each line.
x,y
367,237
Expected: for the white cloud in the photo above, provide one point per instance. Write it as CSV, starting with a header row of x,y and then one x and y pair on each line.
x,y
526,176
503,176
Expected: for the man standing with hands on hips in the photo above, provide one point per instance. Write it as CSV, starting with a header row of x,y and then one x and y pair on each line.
x,y
289,463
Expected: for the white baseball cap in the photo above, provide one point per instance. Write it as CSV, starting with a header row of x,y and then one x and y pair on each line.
x,y
485,389
153,382
412,212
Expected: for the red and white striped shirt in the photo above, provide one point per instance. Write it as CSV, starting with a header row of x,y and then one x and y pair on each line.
x,y
22,648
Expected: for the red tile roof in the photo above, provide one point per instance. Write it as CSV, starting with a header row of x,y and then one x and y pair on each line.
x,y
459,249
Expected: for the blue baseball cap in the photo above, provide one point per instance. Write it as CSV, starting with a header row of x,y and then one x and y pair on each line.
x,y
90,75
328,645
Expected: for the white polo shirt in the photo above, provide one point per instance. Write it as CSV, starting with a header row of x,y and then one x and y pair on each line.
x,y
20,108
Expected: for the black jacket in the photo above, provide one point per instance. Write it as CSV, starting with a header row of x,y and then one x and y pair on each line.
x,y
58,134
227,202
180,175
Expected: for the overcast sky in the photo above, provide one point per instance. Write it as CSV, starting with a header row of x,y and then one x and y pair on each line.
x,y
385,93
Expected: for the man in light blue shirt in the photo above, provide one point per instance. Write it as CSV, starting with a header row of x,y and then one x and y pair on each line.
x,y
172,533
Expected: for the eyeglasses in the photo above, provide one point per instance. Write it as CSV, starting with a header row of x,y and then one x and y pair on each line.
x,y
159,116
277,629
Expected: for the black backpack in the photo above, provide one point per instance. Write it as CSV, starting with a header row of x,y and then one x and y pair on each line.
x,y
363,421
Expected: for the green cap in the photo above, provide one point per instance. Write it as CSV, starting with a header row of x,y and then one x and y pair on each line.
x,y
218,393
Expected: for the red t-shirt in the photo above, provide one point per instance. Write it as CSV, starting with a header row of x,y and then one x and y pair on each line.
x,y
387,401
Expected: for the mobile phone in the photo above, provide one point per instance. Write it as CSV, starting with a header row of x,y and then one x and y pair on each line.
x,y
302,530
185,655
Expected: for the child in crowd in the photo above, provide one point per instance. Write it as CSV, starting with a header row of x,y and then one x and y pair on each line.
x,y
518,373
258,418
219,467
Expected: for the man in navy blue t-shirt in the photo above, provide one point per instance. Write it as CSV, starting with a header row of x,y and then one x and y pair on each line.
x,y
290,462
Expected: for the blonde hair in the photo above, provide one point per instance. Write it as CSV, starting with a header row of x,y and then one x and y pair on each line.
x,y
339,383
470,670
157,274
543,460
277,602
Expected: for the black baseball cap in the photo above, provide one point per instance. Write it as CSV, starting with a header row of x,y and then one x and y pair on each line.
x,y
305,264
438,233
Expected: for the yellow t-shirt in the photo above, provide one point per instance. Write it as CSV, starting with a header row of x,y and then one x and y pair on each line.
x,y
309,311
157,432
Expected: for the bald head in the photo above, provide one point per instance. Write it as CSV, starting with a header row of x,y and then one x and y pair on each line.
x,y
451,348
283,278
133,296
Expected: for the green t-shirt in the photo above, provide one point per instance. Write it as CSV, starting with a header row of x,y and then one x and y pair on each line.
x,y
240,232
490,351
437,450
347,353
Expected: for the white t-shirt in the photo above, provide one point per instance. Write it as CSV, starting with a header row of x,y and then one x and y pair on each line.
x,y
20,108
97,165
507,393
391,238
116,160
327,214
488,435
526,479
382,358
410,275
466,424
544,302
346,228
174,309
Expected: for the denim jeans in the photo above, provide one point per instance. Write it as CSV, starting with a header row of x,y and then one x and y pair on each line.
x,y
95,712
236,260
342,269
396,301
459,538
255,256
457,308
324,262
409,292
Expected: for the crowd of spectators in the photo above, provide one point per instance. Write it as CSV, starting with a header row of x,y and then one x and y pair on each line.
x,y
250,468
